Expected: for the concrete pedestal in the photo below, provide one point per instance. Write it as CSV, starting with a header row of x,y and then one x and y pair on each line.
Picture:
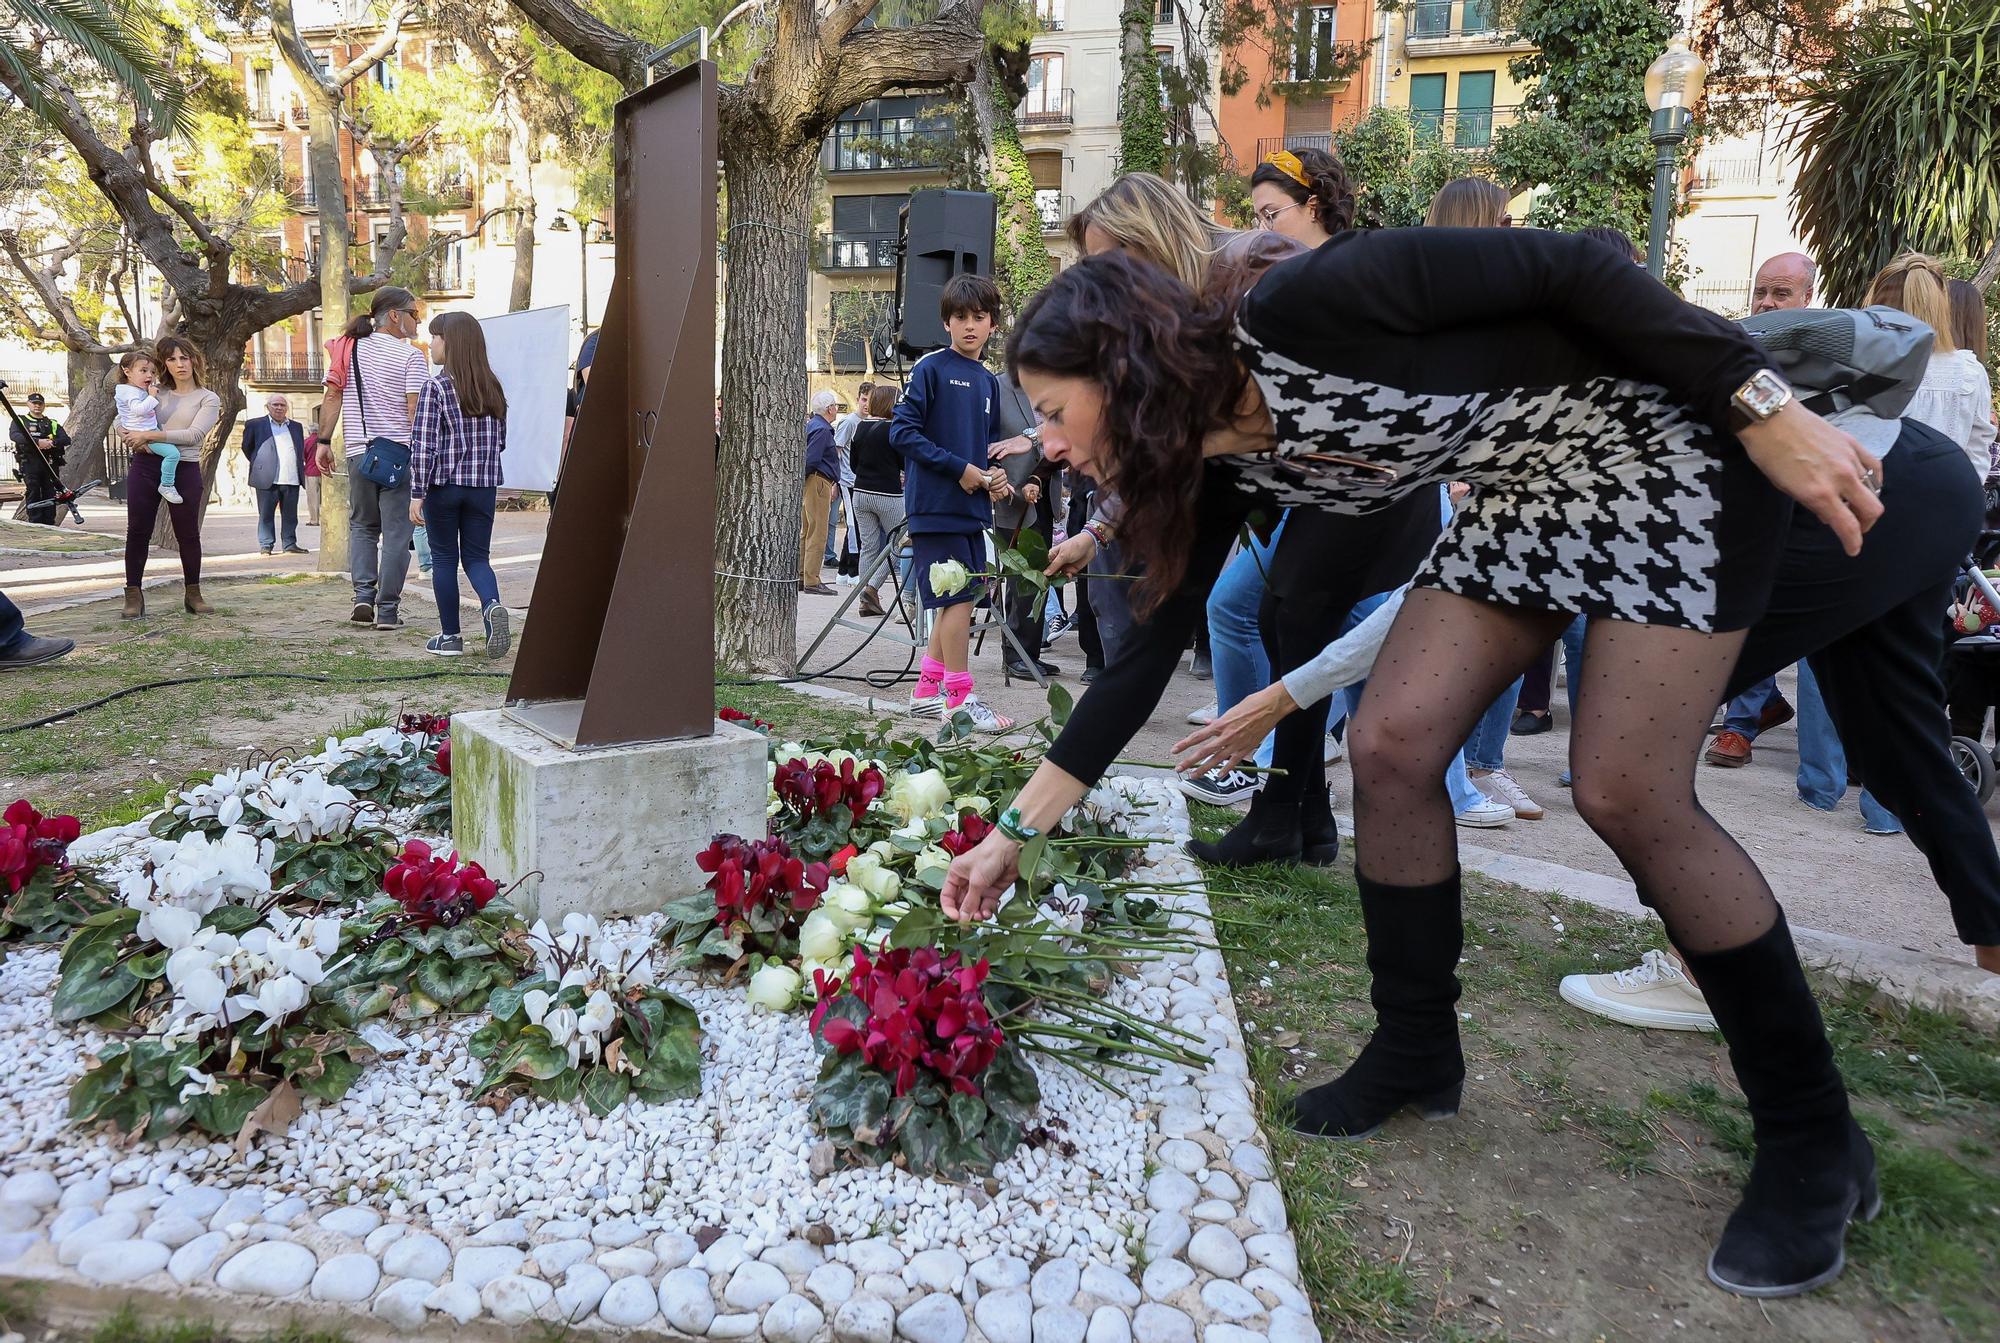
x,y
609,831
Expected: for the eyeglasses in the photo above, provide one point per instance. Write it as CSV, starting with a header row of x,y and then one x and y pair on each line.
x,y
1268,216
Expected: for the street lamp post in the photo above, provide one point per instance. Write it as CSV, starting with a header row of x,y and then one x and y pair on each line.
x,y
1673,87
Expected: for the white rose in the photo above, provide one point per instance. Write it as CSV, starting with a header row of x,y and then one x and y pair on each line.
x,y
972,802
821,936
914,796
948,578
775,988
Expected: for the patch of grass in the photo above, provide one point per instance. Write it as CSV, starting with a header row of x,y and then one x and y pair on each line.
x,y
126,1326
1934,1116
796,717
20,1305
55,540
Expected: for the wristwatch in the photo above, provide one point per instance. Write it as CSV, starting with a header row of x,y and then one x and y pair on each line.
x,y
1033,434
1757,400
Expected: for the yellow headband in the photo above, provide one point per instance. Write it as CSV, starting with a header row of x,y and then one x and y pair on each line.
x,y
1286,162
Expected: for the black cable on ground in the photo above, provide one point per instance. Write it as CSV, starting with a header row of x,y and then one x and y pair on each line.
x,y
103,700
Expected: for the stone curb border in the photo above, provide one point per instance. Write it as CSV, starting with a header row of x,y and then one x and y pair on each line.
x,y
1221,1264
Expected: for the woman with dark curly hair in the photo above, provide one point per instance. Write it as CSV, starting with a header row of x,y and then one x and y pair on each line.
x,y
1304,194
187,414
1630,455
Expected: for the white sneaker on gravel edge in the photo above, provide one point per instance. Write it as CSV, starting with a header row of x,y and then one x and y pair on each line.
x,y
1335,752
1500,786
927,706
982,715
1485,815
1205,714
1652,993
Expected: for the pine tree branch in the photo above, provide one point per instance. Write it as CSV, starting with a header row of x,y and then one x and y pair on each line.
x,y
591,40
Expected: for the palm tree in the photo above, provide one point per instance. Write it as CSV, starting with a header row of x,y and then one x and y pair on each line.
x,y
1899,142
118,42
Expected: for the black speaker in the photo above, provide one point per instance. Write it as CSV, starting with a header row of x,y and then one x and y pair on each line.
x,y
940,234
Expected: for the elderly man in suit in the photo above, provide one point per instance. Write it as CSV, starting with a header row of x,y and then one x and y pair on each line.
x,y
275,446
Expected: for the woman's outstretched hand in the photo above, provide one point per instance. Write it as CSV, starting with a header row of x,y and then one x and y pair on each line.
x,y
1236,735
1820,466
977,878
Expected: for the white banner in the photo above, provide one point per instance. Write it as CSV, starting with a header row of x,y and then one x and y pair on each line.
x,y
527,353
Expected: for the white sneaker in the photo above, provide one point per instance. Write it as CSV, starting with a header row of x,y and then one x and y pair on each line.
x,y
982,715
1205,715
927,706
1222,786
1485,815
1652,993
1500,786
1335,752
170,494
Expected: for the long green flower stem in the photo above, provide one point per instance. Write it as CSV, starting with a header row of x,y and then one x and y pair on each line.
x,y
1067,1057
1058,1031
1089,1003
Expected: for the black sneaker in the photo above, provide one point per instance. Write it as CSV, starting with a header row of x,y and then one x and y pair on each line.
x,y
363,613
1090,674
386,618
1222,786
497,637
31,651
446,645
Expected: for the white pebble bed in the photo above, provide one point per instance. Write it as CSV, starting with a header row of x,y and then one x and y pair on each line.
x,y
714,1217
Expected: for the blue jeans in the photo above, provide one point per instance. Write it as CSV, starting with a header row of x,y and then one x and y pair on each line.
x,y
271,501
1242,665
1572,642
460,521
1486,748
1746,711
1823,764
12,628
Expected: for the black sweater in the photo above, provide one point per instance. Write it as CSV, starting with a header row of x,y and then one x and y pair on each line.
x,y
878,468
1424,310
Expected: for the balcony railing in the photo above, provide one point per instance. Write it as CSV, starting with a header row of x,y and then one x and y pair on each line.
x,y
1050,12
916,151
1052,107
1464,127
1271,144
263,112
372,196
857,251
450,191
304,195
285,369
1731,300
1055,208
1736,173
1430,19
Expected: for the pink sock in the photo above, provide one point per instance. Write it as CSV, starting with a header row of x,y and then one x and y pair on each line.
x,y
957,686
930,677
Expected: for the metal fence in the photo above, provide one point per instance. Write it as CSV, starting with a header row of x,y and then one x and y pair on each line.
x,y
1057,107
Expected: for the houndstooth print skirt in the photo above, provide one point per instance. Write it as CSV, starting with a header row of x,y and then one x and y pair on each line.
x,y
1604,498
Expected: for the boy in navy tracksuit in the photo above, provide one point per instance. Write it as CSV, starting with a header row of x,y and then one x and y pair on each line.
x,y
942,427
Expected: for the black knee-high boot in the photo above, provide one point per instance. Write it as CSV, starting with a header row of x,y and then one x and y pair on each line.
x,y
1415,934
1319,836
1814,1170
1270,833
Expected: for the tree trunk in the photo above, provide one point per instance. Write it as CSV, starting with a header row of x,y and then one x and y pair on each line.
x,y
336,229
521,199
92,407
1020,260
1989,269
760,475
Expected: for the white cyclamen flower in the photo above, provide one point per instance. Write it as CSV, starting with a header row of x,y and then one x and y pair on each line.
x,y
304,806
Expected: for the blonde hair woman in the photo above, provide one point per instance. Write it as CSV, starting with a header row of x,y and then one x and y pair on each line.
x,y
1469,202
1151,219
1956,396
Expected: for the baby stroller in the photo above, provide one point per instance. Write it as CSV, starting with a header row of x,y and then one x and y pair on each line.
x,y
1972,665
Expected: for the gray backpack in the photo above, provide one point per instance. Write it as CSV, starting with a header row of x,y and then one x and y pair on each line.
x,y
1839,359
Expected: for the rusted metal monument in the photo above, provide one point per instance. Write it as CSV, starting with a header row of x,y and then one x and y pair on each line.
x,y
607,771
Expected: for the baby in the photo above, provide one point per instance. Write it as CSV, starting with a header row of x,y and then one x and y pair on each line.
x,y
138,408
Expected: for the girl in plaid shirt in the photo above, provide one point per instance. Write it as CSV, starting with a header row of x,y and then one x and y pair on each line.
x,y
460,432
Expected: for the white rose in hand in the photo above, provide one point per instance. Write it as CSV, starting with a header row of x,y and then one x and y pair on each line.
x,y
949,577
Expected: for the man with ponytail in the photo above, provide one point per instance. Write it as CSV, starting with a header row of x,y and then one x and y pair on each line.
x,y
377,385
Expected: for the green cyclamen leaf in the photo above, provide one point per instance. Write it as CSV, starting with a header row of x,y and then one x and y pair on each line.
x,y
605,1090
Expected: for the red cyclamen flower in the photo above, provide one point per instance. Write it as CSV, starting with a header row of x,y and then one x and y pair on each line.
x,y
425,724
729,715
809,790
437,890
926,1013
443,764
30,841
751,877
